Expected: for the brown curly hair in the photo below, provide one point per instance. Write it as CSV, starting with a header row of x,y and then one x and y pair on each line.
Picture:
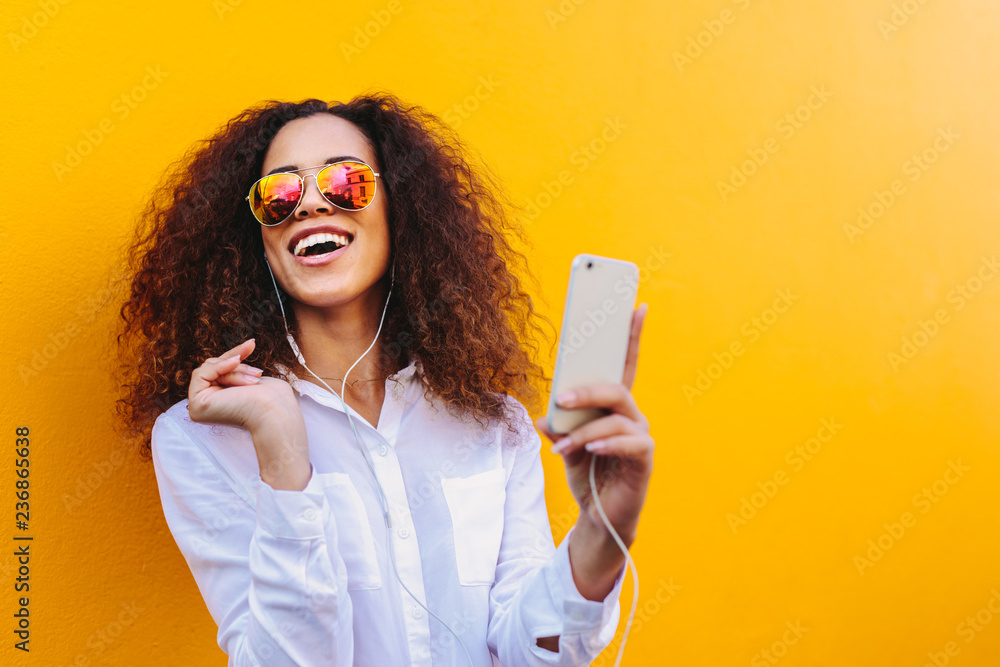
x,y
196,283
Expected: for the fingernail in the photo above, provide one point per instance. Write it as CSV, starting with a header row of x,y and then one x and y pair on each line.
x,y
251,378
256,371
566,398
561,445
595,446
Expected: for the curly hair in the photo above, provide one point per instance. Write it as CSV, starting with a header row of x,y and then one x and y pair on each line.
x,y
196,284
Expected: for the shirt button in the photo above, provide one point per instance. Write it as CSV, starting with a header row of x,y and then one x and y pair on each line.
x,y
403,532
418,613
382,450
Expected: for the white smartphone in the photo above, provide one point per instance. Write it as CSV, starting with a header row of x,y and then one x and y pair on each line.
x,y
596,325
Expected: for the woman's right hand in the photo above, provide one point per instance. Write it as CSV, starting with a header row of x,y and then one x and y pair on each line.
x,y
224,390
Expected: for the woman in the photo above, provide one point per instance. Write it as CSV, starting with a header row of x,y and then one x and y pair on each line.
x,y
402,519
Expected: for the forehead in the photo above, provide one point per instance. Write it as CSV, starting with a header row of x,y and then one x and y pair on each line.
x,y
311,141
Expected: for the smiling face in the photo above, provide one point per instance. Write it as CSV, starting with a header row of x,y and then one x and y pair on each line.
x,y
329,278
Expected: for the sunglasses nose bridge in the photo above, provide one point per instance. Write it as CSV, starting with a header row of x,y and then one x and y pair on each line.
x,y
305,189
304,186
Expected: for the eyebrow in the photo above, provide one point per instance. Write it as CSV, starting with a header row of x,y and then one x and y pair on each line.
x,y
330,160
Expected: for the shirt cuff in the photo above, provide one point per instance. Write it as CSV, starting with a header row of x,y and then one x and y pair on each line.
x,y
293,515
583,616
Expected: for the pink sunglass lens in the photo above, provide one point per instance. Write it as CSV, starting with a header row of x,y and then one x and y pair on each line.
x,y
274,198
350,185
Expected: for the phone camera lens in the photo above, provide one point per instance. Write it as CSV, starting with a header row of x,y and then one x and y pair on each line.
x,y
590,265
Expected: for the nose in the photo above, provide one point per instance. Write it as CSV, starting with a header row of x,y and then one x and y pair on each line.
x,y
313,202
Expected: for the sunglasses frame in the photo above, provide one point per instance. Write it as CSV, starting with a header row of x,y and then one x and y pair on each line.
x,y
315,176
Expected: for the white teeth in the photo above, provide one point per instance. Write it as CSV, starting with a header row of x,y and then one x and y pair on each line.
x,y
321,237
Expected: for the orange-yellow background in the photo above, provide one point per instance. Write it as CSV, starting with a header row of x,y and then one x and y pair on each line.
x,y
557,73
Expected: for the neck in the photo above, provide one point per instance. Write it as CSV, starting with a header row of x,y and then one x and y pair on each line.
x,y
332,339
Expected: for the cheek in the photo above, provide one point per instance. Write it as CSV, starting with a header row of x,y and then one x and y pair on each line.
x,y
271,241
378,230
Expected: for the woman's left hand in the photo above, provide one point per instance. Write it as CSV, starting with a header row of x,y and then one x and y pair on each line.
x,y
621,442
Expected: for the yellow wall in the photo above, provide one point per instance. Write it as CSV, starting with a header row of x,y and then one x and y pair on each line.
x,y
530,84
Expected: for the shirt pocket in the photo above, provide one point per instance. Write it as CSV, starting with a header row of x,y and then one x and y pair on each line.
x,y
476,505
356,544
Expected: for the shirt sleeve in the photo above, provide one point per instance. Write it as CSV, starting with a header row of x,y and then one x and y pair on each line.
x,y
273,586
534,594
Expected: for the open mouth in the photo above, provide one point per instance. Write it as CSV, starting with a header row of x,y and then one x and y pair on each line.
x,y
320,244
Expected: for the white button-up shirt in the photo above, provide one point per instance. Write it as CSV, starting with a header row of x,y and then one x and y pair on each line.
x,y
304,577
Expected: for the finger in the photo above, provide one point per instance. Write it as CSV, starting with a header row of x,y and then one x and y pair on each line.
x,y
238,378
213,368
632,446
248,369
244,349
613,396
600,428
205,375
212,371
632,356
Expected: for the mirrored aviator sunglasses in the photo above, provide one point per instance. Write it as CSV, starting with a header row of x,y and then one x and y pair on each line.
x,y
348,185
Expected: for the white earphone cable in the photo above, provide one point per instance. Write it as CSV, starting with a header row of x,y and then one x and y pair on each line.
x,y
628,559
